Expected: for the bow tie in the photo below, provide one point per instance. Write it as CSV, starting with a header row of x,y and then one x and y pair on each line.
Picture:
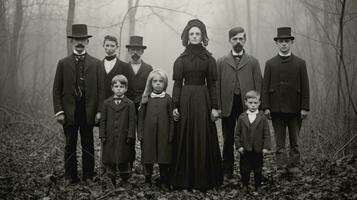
x,y
237,56
118,98
109,58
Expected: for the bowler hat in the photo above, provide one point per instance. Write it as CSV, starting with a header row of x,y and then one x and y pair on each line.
x,y
79,31
284,33
136,41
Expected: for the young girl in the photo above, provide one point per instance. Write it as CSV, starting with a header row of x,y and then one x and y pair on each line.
x,y
155,128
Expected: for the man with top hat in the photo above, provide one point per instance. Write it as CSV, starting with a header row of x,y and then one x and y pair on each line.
x,y
285,99
237,73
78,95
139,71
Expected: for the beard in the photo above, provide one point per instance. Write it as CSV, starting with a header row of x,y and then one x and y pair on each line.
x,y
135,57
238,48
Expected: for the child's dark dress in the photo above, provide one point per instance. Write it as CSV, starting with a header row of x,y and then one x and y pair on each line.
x,y
197,158
156,130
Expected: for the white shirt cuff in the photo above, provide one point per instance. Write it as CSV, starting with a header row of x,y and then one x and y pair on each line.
x,y
60,112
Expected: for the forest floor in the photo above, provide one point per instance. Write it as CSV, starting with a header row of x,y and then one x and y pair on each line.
x,y
31,167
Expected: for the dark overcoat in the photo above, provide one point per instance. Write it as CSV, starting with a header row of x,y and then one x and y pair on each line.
x,y
252,136
120,67
139,81
156,129
249,77
116,126
285,85
64,84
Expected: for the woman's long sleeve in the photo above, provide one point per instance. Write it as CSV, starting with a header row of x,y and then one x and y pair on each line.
x,y
211,82
178,78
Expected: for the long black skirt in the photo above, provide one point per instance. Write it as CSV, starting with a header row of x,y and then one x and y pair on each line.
x,y
197,158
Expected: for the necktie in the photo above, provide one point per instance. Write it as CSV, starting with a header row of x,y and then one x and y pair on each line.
x,y
154,95
117,100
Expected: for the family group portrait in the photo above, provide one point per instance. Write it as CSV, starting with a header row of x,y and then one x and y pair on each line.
x,y
171,100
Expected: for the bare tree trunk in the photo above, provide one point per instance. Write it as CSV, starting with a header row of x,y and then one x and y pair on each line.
x,y
70,19
132,10
4,45
249,27
14,57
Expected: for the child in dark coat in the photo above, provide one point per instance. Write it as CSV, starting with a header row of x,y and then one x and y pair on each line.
x,y
117,130
252,140
155,129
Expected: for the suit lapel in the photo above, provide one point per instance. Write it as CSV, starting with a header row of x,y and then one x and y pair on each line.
x,y
72,63
243,61
86,63
141,68
256,121
230,60
246,120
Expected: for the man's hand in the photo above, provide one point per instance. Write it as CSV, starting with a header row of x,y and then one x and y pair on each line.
x,y
97,117
176,115
267,113
214,115
303,114
60,118
241,150
265,151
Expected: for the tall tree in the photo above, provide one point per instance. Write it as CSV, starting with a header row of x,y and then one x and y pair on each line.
x,y
70,19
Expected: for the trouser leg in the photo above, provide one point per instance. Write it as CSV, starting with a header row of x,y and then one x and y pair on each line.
x,y
257,168
70,154
228,127
280,137
245,168
294,125
86,132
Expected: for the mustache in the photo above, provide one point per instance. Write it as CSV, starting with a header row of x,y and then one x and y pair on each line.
x,y
135,56
238,47
80,45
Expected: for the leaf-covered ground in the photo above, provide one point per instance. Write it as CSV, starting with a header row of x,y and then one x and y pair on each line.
x,y
31,167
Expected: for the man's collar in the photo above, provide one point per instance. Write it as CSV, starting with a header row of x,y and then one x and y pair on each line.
x,y
284,55
76,53
237,54
252,113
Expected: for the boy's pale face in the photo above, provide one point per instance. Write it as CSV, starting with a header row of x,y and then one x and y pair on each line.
x,y
110,47
119,89
158,84
252,104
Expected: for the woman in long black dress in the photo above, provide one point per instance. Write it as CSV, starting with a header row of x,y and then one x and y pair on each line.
x,y
197,158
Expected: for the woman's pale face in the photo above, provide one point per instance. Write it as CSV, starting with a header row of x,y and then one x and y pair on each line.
x,y
194,35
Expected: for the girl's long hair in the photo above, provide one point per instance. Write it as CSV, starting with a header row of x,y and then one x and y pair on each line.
x,y
148,87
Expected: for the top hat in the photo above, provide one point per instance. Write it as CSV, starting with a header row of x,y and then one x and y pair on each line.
x,y
284,33
79,31
136,41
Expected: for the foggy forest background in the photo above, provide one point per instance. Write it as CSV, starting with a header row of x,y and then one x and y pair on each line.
x,y
33,39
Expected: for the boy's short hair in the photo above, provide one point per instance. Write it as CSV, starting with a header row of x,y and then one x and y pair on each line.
x,y
111,38
120,79
252,94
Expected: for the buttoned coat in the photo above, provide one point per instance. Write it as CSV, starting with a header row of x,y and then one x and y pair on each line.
x,y
156,129
139,80
252,136
285,85
116,126
249,77
64,84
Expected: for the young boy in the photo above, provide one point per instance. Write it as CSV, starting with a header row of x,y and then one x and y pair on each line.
x,y
252,140
117,130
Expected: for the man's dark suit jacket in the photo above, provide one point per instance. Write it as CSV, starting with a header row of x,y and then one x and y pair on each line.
x,y
64,83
